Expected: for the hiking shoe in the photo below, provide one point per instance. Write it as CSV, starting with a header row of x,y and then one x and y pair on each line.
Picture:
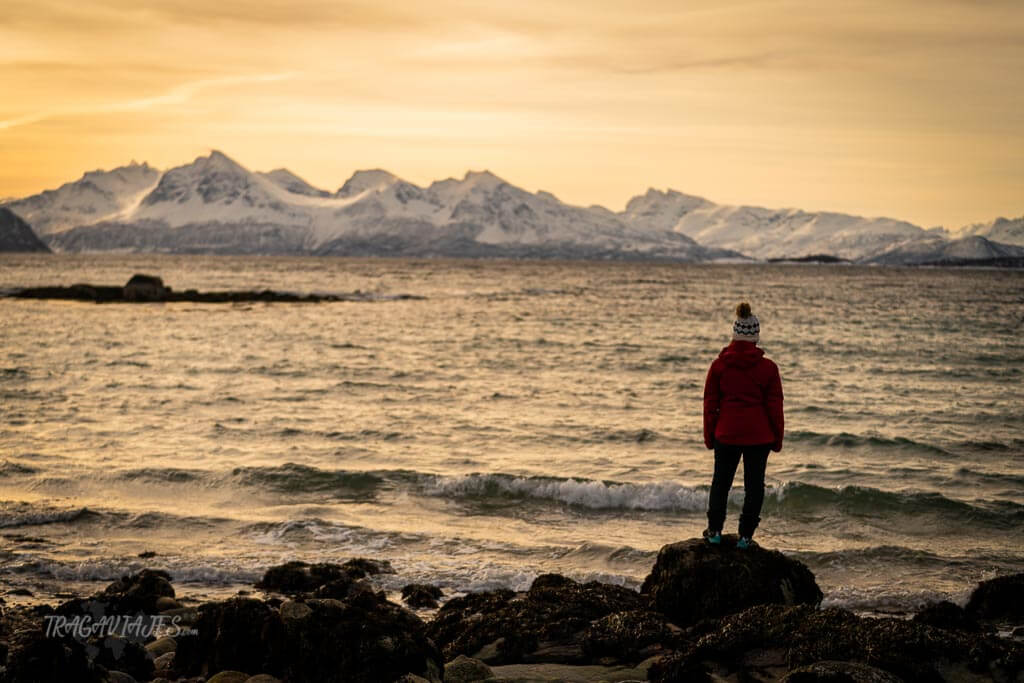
x,y
744,542
713,537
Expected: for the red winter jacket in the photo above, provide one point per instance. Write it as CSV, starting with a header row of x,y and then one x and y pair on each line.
x,y
743,399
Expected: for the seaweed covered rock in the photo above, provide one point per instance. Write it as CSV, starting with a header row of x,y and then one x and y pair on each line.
x,y
839,672
421,595
769,639
329,640
119,653
241,634
947,615
465,669
999,598
138,592
134,594
693,580
302,577
546,624
35,657
630,636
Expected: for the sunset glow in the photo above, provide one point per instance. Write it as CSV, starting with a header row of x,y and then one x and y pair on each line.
x,y
912,110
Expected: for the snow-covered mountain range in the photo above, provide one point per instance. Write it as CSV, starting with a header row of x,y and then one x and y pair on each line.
x,y
216,205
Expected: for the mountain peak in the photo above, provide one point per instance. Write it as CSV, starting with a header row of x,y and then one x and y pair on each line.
x,y
363,180
220,161
293,183
482,179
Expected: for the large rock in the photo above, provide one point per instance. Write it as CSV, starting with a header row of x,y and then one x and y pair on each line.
x,y
999,598
775,637
138,592
145,288
335,580
839,672
547,624
421,595
630,636
693,580
35,657
362,639
465,669
130,595
118,653
241,634
947,615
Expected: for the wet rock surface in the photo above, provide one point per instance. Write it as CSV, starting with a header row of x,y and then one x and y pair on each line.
x,y
839,672
775,637
693,580
948,616
362,639
331,622
999,598
546,624
326,580
421,595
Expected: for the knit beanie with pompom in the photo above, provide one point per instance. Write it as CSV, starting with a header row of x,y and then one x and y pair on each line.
x,y
747,327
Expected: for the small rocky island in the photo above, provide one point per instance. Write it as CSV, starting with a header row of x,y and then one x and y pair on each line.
x,y
704,614
151,289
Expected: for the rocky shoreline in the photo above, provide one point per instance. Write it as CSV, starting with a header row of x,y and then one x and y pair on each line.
x,y
704,614
142,289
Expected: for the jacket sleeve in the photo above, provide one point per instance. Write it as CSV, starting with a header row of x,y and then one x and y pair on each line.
x,y
773,405
712,404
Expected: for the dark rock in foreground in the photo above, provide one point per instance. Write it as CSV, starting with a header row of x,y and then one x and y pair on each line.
x,y
693,580
33,657
421,596
999,598
839,672
775,638
557,621
327,579
17,235
138,592
946,615
130,595
151,289
368,639
336,626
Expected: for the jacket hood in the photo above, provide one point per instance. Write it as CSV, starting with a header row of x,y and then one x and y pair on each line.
x,y
741,354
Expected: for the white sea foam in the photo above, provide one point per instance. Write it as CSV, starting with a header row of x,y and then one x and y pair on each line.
x,y
182,570
587,493
35,517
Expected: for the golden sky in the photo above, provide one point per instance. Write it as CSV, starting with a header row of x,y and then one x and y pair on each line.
x,y
912,109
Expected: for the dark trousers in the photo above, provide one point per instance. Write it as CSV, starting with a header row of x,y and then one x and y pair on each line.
x,y
727,459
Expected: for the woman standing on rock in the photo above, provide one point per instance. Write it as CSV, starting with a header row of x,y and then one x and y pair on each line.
x,y
742,419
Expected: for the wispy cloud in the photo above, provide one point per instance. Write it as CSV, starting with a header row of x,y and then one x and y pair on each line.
x,y
176,95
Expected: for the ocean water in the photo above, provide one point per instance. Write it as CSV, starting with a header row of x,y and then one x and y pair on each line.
x,y
525,417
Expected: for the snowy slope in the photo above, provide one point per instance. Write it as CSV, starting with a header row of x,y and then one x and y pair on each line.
x,y
768,233
293,183
96,196
361,181
1003,230
935,248
216,189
